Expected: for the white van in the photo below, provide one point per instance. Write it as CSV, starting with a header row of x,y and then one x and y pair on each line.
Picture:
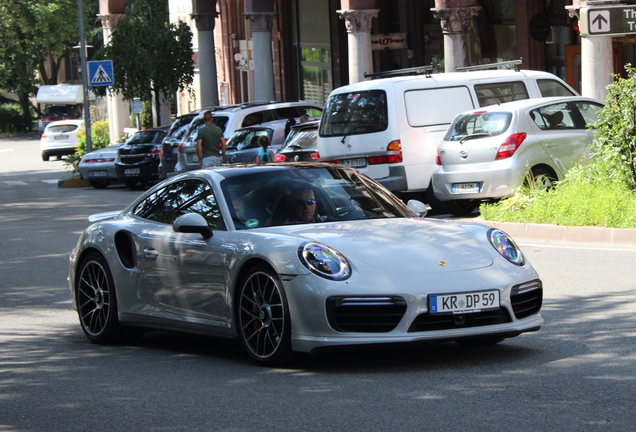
x,y
390,128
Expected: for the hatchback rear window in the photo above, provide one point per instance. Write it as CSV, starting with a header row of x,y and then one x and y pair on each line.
x,y
355,113
247,138
62,128
303,139
478,125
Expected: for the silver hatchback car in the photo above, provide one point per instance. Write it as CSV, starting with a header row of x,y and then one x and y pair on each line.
x,y
488,152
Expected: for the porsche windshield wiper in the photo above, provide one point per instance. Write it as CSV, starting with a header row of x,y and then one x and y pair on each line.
x,y
473,136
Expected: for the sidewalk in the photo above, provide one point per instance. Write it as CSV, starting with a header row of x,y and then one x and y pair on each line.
x,y
622,237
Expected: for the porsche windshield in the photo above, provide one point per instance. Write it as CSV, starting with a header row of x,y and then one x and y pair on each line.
x,y
295,196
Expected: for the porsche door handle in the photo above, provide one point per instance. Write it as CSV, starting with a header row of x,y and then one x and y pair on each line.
x,y
151,254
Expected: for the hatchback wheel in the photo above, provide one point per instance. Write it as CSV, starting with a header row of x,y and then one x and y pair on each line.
x,y
541,176
99,184
462,207
263,316
45,157
97,301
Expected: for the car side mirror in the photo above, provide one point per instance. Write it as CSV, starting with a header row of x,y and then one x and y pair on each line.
x,y
418,208
192,223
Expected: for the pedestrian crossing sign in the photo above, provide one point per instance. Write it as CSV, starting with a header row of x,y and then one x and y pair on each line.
x,y
100,73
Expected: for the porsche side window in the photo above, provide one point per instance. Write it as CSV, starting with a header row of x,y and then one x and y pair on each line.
x,y
176,199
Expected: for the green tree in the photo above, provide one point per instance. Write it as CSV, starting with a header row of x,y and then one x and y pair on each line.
x,y
36,36
149,54
615,138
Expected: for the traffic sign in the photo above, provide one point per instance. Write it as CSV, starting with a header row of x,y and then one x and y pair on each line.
x,y
100,73
607,20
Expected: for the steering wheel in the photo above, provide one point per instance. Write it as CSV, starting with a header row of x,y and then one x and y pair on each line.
x,y
343,211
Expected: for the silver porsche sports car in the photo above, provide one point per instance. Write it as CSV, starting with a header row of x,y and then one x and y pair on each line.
x,y
294,257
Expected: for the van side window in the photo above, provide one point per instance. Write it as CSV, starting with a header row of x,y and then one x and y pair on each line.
x,y
436,106
549,87
355,113
497,93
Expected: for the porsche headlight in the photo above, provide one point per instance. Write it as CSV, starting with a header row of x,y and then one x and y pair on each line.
x,y
324,261
505,246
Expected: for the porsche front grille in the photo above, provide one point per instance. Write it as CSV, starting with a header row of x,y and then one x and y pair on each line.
x,y
427,322
365,314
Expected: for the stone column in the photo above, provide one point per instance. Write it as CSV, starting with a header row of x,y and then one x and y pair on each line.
x,y
261,27
118,109
208,86
358,25
456,22
597,66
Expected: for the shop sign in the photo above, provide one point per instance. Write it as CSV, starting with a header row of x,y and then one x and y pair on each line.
x,y
607,20
390,41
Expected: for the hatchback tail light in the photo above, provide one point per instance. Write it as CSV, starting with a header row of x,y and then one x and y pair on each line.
x,y
438,160
180,148
43,136
315,156
510,145
280,158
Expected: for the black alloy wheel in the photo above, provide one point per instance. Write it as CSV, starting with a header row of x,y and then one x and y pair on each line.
x,y
263,316
97,301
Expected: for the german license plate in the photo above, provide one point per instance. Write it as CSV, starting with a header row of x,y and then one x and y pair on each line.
x,y
98,173
131,171
58,137
459,188
462,303
354,163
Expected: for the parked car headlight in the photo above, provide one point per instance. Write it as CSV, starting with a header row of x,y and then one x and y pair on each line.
x,y
324,261
506,246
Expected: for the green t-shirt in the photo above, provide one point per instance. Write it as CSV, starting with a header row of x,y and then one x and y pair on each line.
x,y
211,140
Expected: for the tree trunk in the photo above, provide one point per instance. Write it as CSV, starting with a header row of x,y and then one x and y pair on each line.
x,y
26,113
157,120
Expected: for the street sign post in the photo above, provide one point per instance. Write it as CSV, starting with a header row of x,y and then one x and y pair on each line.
x,y
100,73
607,20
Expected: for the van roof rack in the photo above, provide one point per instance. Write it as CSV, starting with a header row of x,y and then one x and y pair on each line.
x,y
402,72
511,64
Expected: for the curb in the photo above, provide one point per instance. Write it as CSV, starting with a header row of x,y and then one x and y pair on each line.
x,y
565,234
72,183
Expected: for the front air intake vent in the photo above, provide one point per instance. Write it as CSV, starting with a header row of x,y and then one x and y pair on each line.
x,y
365,314
526,298
427,322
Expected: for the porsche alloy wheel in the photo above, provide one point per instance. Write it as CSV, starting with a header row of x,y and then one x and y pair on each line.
x,y
263,316
96,301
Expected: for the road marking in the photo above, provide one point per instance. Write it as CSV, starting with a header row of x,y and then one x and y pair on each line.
x,y
51,181
6,150
15,183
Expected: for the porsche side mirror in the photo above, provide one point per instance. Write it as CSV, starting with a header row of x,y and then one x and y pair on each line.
x,y
418,208
192,223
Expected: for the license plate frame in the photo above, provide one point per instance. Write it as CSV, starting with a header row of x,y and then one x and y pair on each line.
x,y
464,302
60,137
98,174
465,188
131,171
354,162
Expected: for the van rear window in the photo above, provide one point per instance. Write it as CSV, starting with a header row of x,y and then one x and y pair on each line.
x,y
439,106
501,92
355,113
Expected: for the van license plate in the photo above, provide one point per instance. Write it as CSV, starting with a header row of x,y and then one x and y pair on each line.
x,y
131,171
460,188
462,303
59,137
354,163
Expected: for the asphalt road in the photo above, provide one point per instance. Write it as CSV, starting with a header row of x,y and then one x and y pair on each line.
x,y
577,374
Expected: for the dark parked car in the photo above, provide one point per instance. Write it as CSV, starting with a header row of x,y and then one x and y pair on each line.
x,y
137,161
168,157
300,144
243,146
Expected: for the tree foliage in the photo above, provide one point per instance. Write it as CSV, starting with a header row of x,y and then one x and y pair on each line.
x,y
36,36
149,53
615,138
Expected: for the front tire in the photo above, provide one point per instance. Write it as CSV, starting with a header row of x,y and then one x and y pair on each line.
x,y
45,157
462,207
263,316
97,301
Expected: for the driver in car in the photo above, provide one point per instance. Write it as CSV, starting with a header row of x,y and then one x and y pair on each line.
x,y
302,207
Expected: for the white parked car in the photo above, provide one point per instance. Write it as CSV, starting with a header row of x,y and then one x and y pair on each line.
x,y
488,152
60,138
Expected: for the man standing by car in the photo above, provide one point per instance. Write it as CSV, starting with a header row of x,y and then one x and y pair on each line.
x,y
210,142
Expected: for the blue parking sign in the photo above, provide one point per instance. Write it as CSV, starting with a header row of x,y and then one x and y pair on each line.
x,y
100,73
